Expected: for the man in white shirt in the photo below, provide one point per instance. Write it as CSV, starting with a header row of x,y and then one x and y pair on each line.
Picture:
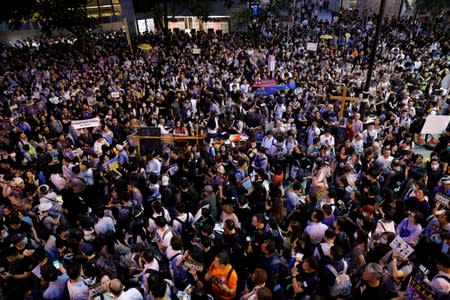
x,y
104,223
78,289
322,250
268,141
316,229
116,288
163,235
327,139
385,161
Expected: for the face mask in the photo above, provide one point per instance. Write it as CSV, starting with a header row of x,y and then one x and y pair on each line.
x,y
434,167
383,241
398,169
89,238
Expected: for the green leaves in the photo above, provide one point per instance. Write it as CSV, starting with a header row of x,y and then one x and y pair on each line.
x,y
434,7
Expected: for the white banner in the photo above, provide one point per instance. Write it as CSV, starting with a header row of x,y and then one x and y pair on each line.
x,y
311,46
435,124
94,122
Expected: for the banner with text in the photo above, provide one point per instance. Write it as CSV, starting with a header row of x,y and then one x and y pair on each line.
x,y
79,124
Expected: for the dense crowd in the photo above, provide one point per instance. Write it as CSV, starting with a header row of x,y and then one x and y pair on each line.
x,y
280,198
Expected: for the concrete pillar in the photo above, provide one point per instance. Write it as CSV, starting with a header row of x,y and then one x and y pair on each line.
x,y
128,14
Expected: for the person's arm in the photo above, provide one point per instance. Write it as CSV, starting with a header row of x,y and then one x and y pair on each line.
x,y
396,273
295,285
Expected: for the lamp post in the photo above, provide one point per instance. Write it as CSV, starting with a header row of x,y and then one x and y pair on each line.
x,y
372,57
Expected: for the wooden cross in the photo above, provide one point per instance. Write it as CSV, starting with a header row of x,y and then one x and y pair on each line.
x,y
342,100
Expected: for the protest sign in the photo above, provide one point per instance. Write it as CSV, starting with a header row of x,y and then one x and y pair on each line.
x,y
401,247
435,124
419,290
441,198
311,46
94,122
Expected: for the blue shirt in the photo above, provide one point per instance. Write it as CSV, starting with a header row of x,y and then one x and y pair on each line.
x,y
56,289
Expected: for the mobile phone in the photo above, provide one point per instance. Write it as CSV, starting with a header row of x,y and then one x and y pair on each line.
x,y
248,239
56,264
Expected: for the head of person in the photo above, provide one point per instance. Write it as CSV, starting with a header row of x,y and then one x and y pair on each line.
x,y
372,273
259,276
264,294
222,259
160,222
268,248
337,253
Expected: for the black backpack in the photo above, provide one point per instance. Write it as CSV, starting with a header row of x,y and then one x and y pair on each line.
x,y
324,259
187,232
279,279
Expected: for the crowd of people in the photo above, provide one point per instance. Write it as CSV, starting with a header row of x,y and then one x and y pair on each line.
x,y
280,198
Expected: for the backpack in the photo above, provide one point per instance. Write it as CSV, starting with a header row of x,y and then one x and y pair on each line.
x,y
342,284
324,260
129,215
279,279
187,232
179,273
444,297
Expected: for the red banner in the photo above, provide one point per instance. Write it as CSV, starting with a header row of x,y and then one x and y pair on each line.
x,y
264,83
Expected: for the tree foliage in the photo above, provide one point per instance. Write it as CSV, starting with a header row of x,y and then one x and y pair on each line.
x,y
51,15
434,7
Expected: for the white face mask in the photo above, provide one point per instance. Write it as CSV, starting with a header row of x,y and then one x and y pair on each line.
x,y
383,241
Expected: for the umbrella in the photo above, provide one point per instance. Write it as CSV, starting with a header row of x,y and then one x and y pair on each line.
x,y
145,47
326,37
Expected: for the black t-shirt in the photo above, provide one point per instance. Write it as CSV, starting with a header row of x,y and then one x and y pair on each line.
x,y
369,293
309,283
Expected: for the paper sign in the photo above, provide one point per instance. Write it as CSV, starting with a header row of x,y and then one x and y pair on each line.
x,y
115,94
196,51
441,198
420,290
311,46
400,247
94,122
435,124
98,289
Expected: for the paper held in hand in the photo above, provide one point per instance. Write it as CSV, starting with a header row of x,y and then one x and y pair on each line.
x,y
401,247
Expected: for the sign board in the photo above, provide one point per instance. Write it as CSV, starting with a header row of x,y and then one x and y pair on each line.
x,y
115,94
264,83
435,124
441,198
311,46
94,122
401,247
420,290
196,51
